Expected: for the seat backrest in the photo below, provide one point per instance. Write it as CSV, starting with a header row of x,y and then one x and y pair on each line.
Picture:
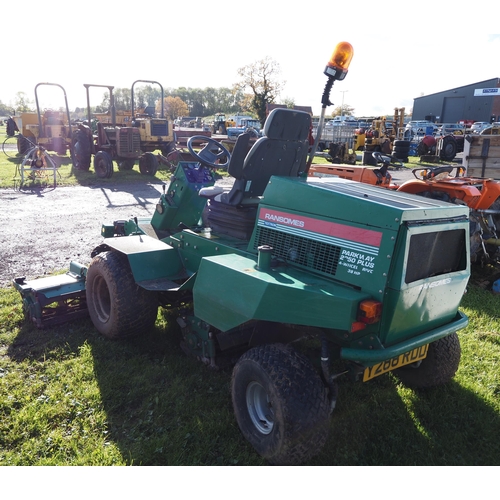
x,y
281,151
238,155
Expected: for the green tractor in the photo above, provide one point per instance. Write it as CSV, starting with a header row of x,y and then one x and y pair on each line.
x,y
372,279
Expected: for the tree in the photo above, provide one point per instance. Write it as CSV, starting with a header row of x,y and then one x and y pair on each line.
x,y
261,77
5,110
174,107
345,110
122,99
146,96
245,103
22,103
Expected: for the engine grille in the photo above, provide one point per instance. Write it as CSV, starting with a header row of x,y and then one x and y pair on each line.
x,y
159,128
129,141
300,251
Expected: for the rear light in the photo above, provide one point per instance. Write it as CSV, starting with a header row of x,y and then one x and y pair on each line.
x,y
369,311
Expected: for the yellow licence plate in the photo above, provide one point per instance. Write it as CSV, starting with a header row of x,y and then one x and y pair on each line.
x,y
391,364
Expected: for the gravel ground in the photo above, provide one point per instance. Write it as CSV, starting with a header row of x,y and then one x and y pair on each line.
x,y
43,230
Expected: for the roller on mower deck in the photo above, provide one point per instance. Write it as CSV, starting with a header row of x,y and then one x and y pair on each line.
x,y
373,278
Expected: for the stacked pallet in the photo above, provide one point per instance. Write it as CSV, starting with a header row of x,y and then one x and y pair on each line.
x,y
482,156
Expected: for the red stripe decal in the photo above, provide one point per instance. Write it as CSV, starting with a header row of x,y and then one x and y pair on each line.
x,y
365,236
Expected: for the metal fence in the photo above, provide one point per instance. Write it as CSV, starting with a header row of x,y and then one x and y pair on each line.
x,y
337,134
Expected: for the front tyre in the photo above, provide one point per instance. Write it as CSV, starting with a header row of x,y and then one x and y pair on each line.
x,y
103,165
280,404
118,307
438,368
148,164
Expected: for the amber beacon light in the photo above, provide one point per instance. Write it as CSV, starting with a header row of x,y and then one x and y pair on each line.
x,y
336,69
339,62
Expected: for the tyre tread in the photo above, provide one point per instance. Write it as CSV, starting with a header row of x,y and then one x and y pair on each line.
x,y
438,368
304,401
134,309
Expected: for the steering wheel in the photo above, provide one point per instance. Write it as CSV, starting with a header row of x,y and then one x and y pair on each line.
x,y
210,153
433,173
387,159
380,158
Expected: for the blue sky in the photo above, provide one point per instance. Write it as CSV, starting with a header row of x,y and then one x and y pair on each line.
x,y
400,52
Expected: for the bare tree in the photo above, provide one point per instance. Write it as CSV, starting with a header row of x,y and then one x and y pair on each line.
x,y
262,78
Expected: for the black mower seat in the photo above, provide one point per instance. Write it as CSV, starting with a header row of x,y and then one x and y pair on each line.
x,y
282,152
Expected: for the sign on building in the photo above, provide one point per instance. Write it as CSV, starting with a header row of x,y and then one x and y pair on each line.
x,y
486,92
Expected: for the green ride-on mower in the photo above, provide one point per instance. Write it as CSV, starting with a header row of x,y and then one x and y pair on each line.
x,y
371,278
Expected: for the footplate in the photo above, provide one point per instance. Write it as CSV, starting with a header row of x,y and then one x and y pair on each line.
x,y
55,299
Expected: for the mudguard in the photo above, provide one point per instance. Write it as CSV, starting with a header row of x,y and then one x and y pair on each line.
x,y
154,263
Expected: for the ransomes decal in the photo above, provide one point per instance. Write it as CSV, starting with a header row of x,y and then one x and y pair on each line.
x,y
356,242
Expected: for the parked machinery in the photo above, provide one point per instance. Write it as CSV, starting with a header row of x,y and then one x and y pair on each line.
x,y
384,137
110,142
50,129
157,133
220,124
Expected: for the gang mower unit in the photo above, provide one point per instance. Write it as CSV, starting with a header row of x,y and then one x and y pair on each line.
x,y
373,278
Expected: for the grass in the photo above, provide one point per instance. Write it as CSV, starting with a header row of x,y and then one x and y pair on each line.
x,y
70,397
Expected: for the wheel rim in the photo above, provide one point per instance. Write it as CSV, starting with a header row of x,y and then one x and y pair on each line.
x,y
259,408
102,300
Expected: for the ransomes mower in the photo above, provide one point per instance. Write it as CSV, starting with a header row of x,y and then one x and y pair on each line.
x,y
372,278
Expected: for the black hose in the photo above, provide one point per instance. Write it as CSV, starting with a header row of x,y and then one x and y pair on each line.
x,y
325,368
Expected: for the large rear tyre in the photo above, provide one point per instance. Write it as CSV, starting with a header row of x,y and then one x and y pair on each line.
x,y
80,149
449,148
422,149
438,368
24,145
148,164
118,307
103,165
280,404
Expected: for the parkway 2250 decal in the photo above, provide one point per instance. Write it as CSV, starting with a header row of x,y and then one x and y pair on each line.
x,y
359,246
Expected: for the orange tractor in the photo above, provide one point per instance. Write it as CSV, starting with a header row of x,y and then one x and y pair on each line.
x,y
481,195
